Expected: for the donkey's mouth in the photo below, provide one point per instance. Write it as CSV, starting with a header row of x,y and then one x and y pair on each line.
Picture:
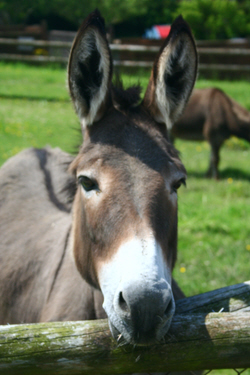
x,y
128,335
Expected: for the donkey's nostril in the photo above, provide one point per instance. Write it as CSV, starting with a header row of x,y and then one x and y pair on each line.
x,y
169,308
122,303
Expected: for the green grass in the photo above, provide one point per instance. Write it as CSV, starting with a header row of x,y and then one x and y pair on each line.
x,y
214,225
31,82
214,216
26,123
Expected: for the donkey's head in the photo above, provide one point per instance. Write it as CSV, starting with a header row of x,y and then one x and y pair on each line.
x,y
125,208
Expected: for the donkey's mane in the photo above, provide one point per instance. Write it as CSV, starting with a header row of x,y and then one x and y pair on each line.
x,y
125,98
128,98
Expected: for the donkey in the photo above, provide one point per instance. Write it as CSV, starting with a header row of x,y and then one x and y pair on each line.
x,y
101,228
212,116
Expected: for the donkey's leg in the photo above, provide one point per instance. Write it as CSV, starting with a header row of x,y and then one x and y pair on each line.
x,y
214,159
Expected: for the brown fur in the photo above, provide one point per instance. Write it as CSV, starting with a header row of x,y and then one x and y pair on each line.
x,y
212,116
39,285
38,276
136,149
48,235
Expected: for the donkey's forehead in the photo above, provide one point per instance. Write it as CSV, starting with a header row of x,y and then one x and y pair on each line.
x,y
97,156
127,139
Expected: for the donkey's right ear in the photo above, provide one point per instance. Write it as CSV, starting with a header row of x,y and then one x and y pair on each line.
x,y
90,70
173,75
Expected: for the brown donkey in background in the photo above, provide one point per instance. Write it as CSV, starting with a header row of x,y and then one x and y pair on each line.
x,y
212,116
117,241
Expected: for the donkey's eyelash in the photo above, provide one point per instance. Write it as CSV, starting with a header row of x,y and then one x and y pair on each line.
x,y
184,182
87,183
178,184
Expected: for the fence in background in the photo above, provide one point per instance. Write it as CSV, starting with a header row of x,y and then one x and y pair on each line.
x,y
220,58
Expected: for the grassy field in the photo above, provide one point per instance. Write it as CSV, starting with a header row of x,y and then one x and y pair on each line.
x,y
214,225
214,216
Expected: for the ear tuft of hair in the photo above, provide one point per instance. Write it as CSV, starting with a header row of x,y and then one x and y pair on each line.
x,y
125,98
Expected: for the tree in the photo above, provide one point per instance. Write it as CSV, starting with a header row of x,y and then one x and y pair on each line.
x,y
215,19
112,10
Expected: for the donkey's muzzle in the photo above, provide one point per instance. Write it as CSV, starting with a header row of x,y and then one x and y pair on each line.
x,y
144,313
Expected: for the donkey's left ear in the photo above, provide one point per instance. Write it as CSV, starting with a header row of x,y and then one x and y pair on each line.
x,y
90,70
173,75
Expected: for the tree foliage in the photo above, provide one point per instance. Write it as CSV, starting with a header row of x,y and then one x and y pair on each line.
x,y
74,10
209,19
215,19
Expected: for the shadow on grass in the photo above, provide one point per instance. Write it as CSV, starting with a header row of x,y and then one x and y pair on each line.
x,y
224,174
33,98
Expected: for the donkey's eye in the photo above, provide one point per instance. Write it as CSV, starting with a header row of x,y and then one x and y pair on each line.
x,y
87,183
178,184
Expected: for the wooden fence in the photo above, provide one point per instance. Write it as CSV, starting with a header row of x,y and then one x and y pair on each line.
x,y
221,59
209,331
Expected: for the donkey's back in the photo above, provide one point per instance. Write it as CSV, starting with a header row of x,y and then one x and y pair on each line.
x,y
35,198
213,116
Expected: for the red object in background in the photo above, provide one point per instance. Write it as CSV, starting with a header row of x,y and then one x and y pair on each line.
x,y
163,30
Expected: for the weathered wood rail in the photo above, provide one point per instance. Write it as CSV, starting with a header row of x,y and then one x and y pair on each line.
x,y
209,331
212,59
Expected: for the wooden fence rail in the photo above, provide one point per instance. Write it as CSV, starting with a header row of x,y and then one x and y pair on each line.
x,y
33,58
125,47
212,59
198,339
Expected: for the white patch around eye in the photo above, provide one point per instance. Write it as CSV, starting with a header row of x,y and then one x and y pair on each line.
x,y
86,173
91,194
102,178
